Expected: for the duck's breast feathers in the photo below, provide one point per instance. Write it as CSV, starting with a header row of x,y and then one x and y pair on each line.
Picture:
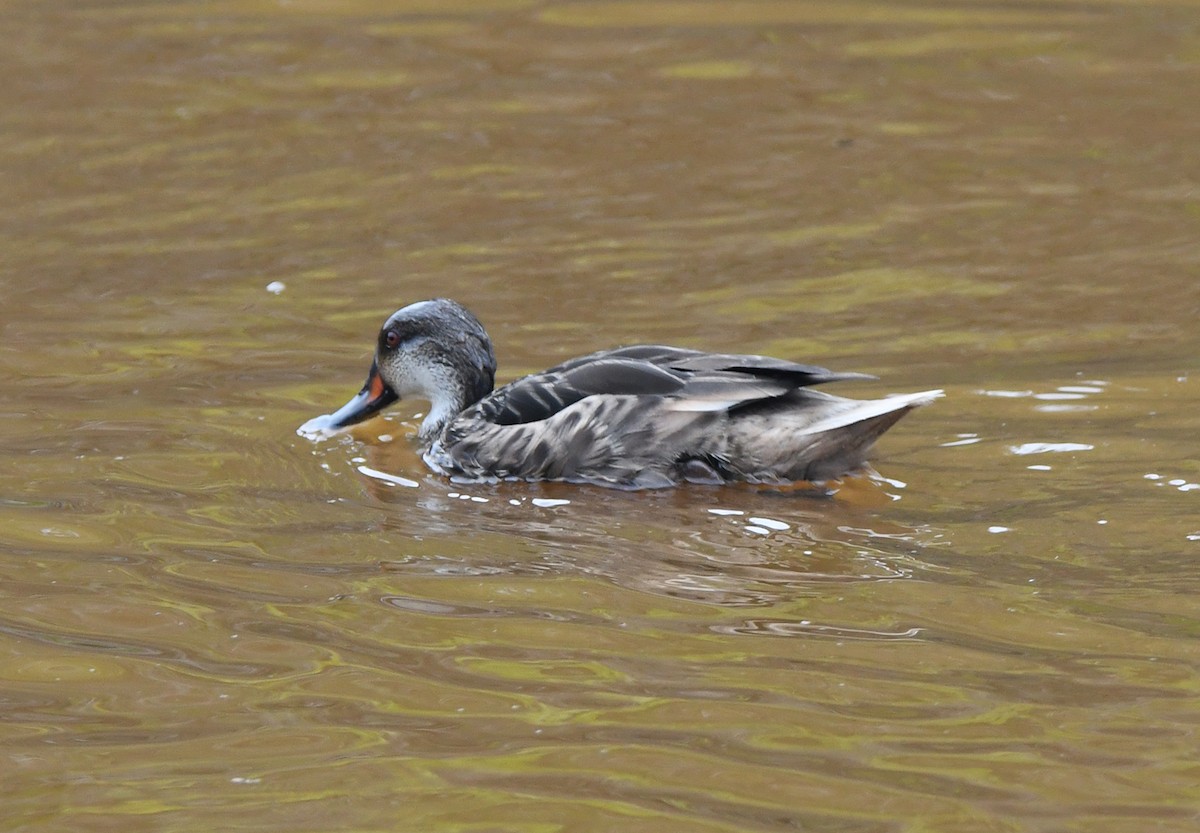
x,y
690,380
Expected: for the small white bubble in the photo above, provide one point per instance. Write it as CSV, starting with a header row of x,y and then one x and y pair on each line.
x,y
954,443
1102,522
1178,481
770,523
548,503
1064,409
726,512
393,479
276,287
997,529
1048,448
1153,476
758,530
55,532
1038,468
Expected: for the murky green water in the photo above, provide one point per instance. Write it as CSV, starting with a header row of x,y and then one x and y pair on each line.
x,y
209,623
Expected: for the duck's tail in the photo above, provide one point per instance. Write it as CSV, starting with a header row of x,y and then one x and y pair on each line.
x,y
829,438
841,442
871,410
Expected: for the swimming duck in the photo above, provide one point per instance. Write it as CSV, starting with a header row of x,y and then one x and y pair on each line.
x,y
636,417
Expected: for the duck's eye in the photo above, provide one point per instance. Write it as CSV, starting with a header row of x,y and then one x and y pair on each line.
x,y
392,339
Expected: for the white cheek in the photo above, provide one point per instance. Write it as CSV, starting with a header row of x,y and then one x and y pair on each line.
x,y
423,380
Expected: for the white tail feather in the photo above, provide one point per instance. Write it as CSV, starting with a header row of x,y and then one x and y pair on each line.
x,y
871,408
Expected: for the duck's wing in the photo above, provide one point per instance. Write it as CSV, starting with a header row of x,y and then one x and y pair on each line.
x,y
796,375
691,380
694,361
542,395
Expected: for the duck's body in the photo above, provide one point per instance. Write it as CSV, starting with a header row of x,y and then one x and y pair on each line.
x,y
635,417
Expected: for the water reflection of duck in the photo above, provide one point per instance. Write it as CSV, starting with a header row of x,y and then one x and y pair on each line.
x,y
635,417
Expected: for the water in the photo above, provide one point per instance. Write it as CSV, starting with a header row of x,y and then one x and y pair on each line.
x,y
211,623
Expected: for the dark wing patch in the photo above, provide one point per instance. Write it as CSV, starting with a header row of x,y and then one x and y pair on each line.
x,y
622,376
798,375
542,395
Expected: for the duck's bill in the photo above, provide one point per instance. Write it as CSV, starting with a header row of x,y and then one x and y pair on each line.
x,y
373,398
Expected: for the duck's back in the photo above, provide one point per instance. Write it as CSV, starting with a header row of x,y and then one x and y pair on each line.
x,y
651,415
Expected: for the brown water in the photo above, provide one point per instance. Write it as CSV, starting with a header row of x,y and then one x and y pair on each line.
x,y
209,623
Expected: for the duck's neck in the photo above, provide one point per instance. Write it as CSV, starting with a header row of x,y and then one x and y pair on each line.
x,y
450,392
442,409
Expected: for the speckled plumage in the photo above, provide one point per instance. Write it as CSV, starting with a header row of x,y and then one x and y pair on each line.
x,y
635,417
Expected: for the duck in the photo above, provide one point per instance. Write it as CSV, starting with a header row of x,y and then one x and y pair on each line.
x,y
639,417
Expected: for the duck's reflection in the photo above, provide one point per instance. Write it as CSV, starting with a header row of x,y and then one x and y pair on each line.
x,y
720,545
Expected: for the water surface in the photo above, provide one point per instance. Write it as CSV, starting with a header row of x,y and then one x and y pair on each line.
x,y
210,623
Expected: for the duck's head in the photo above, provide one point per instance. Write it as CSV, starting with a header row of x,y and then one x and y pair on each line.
x,y
434,350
